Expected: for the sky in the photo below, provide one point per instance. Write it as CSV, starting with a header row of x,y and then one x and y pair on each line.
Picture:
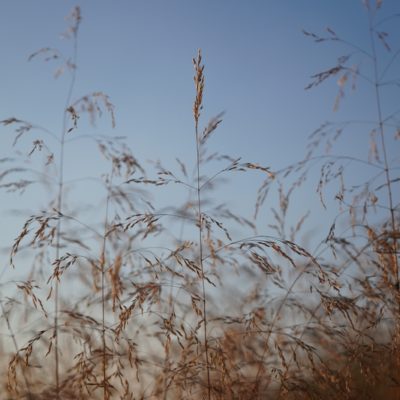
x,y
257,65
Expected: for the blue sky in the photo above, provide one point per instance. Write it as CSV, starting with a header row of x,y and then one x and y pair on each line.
x,y
257,64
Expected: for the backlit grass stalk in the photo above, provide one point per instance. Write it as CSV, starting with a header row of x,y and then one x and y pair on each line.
x,y
106,392
377,85
197,107
74,30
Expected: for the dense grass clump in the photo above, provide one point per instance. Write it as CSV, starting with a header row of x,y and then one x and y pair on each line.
x,y
191,301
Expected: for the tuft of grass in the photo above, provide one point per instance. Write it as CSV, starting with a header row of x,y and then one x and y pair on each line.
x,y
190,301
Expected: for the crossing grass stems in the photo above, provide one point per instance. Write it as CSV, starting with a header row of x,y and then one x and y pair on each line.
x,y
167,321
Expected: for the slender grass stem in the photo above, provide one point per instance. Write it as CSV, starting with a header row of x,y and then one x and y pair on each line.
x,y
384,147
103,295
60,198
199,84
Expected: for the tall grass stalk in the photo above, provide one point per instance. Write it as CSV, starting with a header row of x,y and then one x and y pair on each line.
x,y
198,105
102,265
387,167
76,16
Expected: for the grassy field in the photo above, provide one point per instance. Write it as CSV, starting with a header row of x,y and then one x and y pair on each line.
x,y
121,300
